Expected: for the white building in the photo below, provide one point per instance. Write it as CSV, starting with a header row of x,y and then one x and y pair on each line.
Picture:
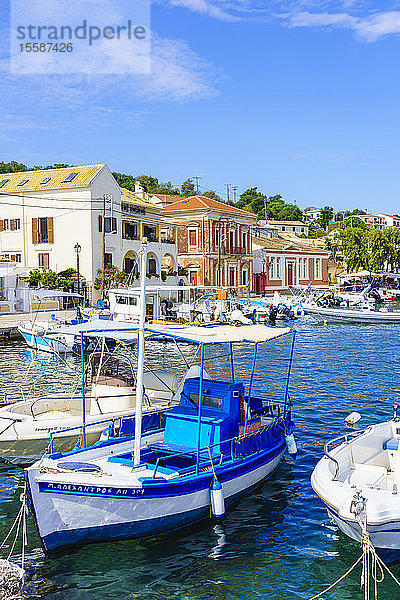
x,y
311,213
296,227
380,221
44,213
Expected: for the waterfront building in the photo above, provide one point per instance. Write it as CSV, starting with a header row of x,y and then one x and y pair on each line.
x,y
45,213
284,262
213,241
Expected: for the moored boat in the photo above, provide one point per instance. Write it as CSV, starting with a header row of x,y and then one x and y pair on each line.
x,y
218,443
358,479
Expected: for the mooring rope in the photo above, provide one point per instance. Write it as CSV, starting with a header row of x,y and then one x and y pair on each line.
x,y
373,567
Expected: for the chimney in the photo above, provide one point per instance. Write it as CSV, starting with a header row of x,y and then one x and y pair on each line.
x,y
139,191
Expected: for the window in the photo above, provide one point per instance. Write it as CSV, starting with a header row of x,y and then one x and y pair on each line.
x,y
244,240
3,182
6,224
317,268
272,267
43,230
283,228
108,259
23,182
18,258
110,224
305,268
217,238
150,233
15,224
193,277
46,180
245,276
44,261
192,237
130,231
70,177
152,266
278,267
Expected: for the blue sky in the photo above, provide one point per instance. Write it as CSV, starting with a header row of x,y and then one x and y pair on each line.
x,y
299,98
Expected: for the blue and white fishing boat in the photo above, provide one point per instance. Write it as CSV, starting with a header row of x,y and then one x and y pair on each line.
x,y
217,444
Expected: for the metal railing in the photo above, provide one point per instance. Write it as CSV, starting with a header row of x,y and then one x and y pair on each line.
x,y
344,438
84,426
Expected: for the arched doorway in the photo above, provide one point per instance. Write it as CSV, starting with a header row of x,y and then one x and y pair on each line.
x,y
130,263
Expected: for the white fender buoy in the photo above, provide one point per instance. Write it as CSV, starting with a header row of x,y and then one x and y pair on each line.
x,y
291,445
217,499
352,418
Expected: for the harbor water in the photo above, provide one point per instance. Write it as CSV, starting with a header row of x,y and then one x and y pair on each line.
x,y
277,543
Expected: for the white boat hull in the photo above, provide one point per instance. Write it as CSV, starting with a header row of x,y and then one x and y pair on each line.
x,y
66,517
363,485
353,316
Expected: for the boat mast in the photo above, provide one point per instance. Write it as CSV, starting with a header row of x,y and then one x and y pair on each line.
x,y
140,354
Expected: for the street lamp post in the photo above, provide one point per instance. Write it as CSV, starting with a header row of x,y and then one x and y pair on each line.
x,y
264,262
77,249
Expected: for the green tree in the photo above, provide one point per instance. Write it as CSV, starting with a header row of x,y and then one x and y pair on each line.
x,y
12,167
327,214
110,277
49,279
213,195
253,201
34,277
187,188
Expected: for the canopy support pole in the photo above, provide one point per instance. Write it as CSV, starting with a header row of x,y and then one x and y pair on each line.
x,y
250,386
200,402
232,363
83,393
140,356
288,375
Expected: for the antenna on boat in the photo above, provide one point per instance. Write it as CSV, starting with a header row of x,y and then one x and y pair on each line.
x,y
140,353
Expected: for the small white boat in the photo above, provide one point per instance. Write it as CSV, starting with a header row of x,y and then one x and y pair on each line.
x,y
365,314
358,479
26,426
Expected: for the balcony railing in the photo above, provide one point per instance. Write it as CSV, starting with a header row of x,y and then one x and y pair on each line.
x,y
231,250
167,241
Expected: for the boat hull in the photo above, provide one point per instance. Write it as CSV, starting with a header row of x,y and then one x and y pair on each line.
x,y
44,343
66,518
386,535
353,316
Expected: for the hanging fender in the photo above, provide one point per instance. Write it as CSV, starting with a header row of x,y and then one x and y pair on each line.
x,y
291,445
217,499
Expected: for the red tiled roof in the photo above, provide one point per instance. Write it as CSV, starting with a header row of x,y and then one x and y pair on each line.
x,y
168,199
202,202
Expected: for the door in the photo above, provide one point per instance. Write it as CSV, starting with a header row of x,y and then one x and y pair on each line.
x,y
290,274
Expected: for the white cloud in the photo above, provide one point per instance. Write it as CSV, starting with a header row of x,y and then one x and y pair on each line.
x,y
370,28
205,7
379,25
306,19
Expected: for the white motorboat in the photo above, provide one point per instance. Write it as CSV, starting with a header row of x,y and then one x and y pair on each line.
x,y
358,479
365,314
26,426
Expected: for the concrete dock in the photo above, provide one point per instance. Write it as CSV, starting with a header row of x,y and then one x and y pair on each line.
x,y
10,321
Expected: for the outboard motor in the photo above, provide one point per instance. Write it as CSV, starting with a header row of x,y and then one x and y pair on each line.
x,y
375,295
273,311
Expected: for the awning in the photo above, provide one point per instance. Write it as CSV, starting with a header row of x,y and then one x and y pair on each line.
x,y
42,294
6,269
215,334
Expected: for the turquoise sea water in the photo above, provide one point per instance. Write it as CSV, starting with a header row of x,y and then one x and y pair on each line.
x,y
277,543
